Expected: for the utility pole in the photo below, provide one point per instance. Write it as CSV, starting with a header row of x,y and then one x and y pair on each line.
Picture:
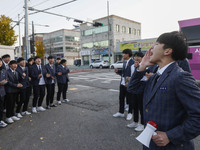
x,y
20,50
109,50
33,40
26,48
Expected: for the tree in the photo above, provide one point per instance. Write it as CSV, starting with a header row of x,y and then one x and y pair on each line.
x,y
39,49
7,33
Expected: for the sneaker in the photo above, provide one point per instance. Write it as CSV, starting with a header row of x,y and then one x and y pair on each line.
x,y
126,107
132,125
139,128
26,113
9,120
18,115
2,124
53,105
48,107
4,110
40,109
34,110
14,118
129,116
118,114
59,102
65,101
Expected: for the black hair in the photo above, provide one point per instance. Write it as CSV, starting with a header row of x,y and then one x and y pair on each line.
x,y
12,62
36,57
30,59
5,56
20,59
177,42
58,59
63,61
50,57
127,51
139,54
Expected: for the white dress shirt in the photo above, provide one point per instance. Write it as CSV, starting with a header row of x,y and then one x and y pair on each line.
x,y
41,82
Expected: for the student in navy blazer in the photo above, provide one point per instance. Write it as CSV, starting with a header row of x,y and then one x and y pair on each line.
x,y
6,60
12,90
38,77
3,81
125,74
24,80
62,80
171,95
50,82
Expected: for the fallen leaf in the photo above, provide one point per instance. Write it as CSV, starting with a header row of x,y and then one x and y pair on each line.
x,y
31,120
41,138
132,135
19,126
60,136
54,122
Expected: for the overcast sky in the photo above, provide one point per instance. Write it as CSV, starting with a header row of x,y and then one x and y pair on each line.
x,y
156,16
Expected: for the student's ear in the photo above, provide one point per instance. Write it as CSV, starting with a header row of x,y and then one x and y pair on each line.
x,y
168,51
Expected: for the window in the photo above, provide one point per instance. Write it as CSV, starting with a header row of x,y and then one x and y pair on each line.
x,y
129,30
134,31
138,32
117,28
123,29
95,30
96,44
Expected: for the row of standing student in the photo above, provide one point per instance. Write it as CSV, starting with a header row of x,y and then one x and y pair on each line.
x,y
134,100
18,80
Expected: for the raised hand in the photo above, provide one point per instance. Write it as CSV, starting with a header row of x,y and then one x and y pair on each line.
x,y
146,61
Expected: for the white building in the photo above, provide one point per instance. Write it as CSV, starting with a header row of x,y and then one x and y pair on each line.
x,y
7,50
64,44
96,42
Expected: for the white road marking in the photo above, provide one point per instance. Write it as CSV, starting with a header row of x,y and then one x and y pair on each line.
x,y
113,90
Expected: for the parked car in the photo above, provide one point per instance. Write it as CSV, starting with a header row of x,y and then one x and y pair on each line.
x,y
118,64
100,64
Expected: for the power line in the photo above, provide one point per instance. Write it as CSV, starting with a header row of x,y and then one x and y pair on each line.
x,y
54,6
40,3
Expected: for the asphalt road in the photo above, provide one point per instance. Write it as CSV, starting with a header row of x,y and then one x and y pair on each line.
x,y
85,123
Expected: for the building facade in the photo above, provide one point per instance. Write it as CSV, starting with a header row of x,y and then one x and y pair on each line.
x,y
98,42
63,43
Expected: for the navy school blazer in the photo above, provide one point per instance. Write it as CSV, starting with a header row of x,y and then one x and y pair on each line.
x,y
64,77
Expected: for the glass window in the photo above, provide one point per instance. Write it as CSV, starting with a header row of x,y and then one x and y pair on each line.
x,y
98,44
95,30
123,29
58,39
117,28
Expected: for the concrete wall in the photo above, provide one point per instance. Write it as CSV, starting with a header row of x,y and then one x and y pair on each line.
x,y
7,50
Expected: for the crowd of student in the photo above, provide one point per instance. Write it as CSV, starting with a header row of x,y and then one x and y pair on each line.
x,y
160,87
19,78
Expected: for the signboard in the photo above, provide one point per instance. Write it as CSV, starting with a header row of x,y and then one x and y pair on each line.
x,y
101,51
195,61
137,44
84,53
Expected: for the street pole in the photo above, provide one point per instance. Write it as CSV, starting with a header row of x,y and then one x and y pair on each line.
x,y
20,50
108,31
26,31
33,38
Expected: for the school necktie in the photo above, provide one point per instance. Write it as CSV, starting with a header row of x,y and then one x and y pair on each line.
x,y
156,77
39,69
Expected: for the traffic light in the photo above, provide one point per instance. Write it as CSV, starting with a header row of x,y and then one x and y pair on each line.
x,y
97,24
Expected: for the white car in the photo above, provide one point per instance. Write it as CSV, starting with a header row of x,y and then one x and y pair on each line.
x,y
118,64
100,64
